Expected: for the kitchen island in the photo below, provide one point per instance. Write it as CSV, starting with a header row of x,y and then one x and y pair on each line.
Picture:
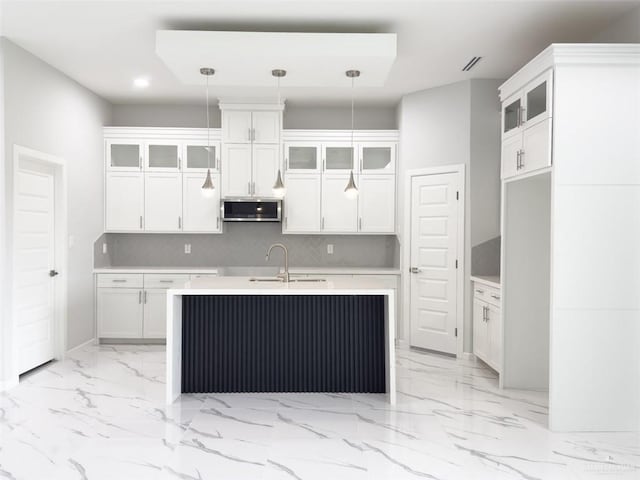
x,y
241,334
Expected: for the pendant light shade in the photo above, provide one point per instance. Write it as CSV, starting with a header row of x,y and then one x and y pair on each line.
x,y
208,187
351,190
278,188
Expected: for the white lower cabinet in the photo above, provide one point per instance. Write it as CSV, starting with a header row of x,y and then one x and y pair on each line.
x,y
487,325
124,201
163,202
339,213
133,306
119,312
199,213
376,204
302,203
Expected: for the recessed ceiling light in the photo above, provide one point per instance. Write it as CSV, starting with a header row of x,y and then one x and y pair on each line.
x,y
141,82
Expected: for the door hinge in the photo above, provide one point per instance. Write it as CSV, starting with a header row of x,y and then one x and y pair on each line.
x,y
456,263
456,331
457,195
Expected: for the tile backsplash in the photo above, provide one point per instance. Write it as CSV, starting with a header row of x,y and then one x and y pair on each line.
x,y
244,244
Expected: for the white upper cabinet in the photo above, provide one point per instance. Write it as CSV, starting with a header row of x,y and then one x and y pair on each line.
x,y
236,170
511,152
265,163
163,202
124,202
377,157
236,126
536,147
163,156
511,115
339,213
376,204
338,157
266,127
198,157
537,97
302,157
200,214
302,212
124,155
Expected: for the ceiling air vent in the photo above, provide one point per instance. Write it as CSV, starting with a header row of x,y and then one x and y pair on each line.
x,y
472,63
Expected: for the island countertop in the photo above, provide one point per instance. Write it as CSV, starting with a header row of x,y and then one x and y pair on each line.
x,y
244,286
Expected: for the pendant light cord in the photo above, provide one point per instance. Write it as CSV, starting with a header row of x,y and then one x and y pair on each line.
x,y
352,115
208,129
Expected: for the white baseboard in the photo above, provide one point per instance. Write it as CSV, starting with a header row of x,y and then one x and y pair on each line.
x,y
83,344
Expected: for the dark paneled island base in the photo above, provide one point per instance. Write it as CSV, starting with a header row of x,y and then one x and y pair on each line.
x,y
283,343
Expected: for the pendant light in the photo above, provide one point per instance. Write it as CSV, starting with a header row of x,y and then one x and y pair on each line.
x,y
351,190
278,187
207,186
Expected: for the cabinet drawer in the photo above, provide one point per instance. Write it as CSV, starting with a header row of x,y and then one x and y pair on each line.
x,y
486,294
120,280
158,280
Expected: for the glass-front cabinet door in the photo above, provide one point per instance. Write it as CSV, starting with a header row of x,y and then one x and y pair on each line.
x,y
198,156
377,157
302,157
124,155
163,156
338,157
511,112
537,99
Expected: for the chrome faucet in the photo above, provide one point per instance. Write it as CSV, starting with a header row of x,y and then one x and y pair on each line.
x,y
284,275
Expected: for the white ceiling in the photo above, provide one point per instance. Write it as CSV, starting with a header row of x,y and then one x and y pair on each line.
x,y
104,45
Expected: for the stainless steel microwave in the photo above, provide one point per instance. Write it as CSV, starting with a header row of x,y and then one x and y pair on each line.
x,y
251,210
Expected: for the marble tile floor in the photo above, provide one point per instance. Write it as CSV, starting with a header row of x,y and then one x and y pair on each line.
x,y
100,414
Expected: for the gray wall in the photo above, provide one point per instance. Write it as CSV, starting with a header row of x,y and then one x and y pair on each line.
x,y
625,29
47,111
318,117
244,244
448,125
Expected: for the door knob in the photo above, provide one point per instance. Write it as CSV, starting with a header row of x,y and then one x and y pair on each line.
x,y
52,273
414,270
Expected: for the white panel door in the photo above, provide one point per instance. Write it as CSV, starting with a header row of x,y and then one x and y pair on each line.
x,y
302,203
339,213
511,148
119,312
266,159
236,126
124,205
199,213
536,147
155,313
236,170
434,242
376,203
266,127
34,293
163,202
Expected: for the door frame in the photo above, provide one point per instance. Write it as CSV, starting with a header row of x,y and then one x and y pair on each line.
x,y
458,169
60,248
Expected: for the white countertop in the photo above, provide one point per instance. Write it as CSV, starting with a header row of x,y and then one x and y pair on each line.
x,y
292,270
489,280
243,286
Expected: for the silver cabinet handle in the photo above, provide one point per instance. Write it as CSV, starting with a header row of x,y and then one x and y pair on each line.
x,y
523,117
484,314
414,270
253,188
140,221
360,223
253,134
139,296
217,165
521,158
481,292
286,164
518,160
119,280
361,164
285,222
497,297
249,134
322,223
249,188
179,222
140,162
217,222
166,281
145,296
324,164
179,163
